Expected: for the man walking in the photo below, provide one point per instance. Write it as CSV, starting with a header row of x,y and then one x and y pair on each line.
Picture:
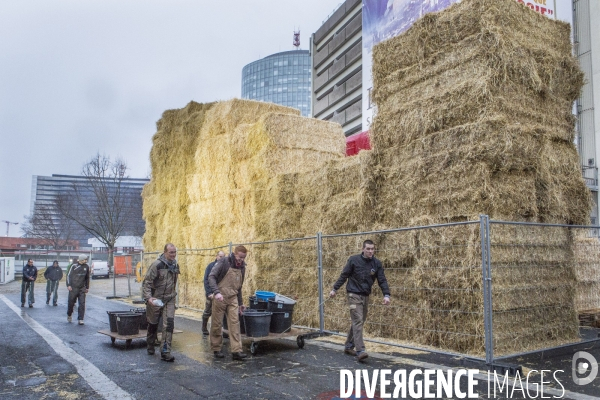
x,y
361,271
78,283
209,295
159,293
225,281
28,283
53,276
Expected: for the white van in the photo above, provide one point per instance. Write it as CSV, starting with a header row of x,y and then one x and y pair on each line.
x,y
99,268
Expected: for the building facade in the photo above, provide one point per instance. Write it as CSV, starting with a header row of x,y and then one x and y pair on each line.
x,y
282,78
586,13
336,64
45,189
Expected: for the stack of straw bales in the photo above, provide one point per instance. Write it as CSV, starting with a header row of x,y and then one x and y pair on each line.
x,y
223,172
474,117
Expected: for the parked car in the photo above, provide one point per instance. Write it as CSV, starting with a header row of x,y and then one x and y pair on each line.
x,y
100,269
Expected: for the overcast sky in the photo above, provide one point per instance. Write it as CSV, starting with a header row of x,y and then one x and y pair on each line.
x,y
80,77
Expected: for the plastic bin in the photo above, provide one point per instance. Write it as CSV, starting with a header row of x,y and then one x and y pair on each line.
x,y
143,318
284,299
258,304
112,319
242,323
279,306
281,322
128,324
264,295
257,323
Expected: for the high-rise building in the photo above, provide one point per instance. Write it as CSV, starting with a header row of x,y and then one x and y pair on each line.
x,y
281,78
336,54
45,189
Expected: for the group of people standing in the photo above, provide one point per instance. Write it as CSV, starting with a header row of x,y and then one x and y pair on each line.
x,y
78,284
223,281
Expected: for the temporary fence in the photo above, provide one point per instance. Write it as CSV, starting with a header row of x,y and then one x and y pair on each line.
x,y
483,289
128,268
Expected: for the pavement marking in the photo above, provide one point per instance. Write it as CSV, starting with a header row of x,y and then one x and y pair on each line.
x,y
88,371
425,365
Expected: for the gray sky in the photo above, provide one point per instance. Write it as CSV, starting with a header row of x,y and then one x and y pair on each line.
x,y
80,77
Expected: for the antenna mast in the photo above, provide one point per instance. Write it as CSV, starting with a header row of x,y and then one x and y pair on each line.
x,y
297,39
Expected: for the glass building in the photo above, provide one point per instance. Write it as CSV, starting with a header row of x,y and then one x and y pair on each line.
x,y
282,78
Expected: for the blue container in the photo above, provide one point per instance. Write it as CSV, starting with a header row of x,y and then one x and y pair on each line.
x,y
265,295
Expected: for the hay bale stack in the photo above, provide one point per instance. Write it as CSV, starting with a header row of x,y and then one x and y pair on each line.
x,y
224,172
475,101
166,196
474,117
587,272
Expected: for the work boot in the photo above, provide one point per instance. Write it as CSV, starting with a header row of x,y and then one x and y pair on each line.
x,y
219,354
239,356
350,351
81,322
54,304
22,304
361,355
167,357
47,302
31,306
205,326
69,319
150,350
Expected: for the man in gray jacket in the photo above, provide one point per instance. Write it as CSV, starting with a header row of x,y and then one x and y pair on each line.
x,y
53,275
159,293
78,283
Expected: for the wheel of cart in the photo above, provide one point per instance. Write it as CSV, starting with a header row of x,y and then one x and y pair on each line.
x,y
300,341
253,348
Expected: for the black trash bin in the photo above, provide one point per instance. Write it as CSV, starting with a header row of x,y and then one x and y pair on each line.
x,y
143,318
257,323
112,319
281,322
128,324
258,304
280,306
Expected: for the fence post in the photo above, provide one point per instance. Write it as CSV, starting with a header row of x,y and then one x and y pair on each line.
x,y
320,271
230,248
484,230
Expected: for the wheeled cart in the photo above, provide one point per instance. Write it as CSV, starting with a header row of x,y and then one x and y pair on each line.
x,y
128,338
301,335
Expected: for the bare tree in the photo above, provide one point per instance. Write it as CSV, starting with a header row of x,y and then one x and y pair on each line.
x,y
104,205
47,224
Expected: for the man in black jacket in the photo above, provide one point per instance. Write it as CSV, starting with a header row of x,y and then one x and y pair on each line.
x,y
361,271
53,275
209,295
78,283
28,283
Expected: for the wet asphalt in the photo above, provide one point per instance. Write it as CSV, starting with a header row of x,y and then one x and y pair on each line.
x,y
31,369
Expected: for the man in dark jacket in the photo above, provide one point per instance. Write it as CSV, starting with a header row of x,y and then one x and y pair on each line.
x,y
53,276
78,283
159,293
28,283
226,280
209,295
361,271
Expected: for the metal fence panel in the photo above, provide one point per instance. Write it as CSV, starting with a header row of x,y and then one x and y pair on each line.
x,y
537,272
435,279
